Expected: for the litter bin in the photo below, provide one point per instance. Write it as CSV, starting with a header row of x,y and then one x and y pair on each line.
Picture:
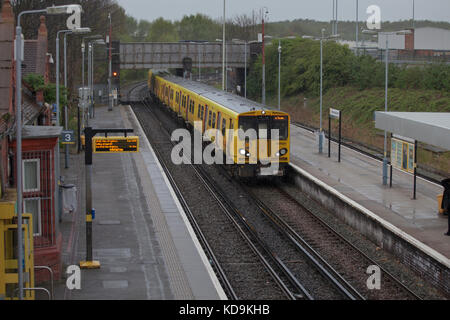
x,y
445,202
439,199
69,198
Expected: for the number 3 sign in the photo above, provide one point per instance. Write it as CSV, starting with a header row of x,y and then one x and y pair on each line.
x,y
74,21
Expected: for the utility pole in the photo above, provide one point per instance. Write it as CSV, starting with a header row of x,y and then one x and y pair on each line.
x,y
279,74
264,12
110,100
223,49
357,26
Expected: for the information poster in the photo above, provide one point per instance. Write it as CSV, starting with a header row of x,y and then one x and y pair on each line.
x,y
402,154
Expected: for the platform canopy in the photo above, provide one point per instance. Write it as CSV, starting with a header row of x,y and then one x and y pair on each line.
x,y
429,127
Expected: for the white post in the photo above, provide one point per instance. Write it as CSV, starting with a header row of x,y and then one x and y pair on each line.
x,y
223,49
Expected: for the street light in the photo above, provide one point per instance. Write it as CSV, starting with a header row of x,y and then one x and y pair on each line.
x,y
66,115
91,73
387,34
19,58
321,134
279,74
264,13
223,49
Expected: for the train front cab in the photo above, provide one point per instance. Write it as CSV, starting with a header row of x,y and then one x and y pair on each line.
x,y
261,154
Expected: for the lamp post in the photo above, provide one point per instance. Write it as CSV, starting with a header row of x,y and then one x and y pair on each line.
x,y
223,49
279,74
91,73
264,13
386,34
110,100
66,114
321,134
55,10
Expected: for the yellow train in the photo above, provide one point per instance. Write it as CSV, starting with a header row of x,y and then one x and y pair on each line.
x,y
254,140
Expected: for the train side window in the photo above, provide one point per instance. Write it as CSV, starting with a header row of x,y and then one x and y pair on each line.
x,y
203,112
209,118
219,117
214,121
224,126
198,111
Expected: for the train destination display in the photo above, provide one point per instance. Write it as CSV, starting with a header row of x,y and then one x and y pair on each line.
x,y
115,144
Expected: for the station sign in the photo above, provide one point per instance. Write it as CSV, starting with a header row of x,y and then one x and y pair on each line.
x,y
335,113
115,144
68,137
402,153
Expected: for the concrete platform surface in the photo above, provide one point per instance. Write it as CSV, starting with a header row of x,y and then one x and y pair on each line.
x,y
141,235
359,177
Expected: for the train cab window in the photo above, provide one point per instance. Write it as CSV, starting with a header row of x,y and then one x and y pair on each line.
x,y
281,124
202,113
214,120
263,127
209,118
198,111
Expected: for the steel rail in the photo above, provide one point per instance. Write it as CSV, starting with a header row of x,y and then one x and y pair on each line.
x,y
277,261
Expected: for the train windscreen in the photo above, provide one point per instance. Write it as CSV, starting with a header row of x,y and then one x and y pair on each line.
x,y
262,124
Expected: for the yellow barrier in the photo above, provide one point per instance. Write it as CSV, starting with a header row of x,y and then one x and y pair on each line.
x,y
8,265
439,198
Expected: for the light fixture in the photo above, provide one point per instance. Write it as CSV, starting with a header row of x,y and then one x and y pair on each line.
x,y
64,9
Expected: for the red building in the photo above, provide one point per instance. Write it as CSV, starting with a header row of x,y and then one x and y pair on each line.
x,y
40,142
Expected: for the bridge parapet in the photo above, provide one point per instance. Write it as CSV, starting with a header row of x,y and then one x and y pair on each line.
x,y
157,55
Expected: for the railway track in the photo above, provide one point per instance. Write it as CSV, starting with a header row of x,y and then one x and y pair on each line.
x,y
281,266
321,239
266,253
217,265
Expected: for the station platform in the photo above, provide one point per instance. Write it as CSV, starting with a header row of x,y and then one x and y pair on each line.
x,y
141,235
359,178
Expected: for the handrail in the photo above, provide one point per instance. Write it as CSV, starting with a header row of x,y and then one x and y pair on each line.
x,y
51,278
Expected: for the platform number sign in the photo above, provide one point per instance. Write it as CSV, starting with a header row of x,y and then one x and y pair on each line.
x,y
68,137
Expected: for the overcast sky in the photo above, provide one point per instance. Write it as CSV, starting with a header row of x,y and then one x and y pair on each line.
x,y
438,10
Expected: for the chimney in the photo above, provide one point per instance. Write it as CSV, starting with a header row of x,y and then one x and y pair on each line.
x,y
409,40
6,57
42,49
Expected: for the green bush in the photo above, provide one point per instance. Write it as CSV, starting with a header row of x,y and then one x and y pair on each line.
x,y
300,70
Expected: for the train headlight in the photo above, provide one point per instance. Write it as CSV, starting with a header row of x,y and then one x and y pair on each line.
x,y
277,154
242,152
283,152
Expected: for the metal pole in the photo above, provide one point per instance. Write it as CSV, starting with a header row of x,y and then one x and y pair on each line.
x,y
245,73
110,100
223,49
340,135
66,114
199,72
88,162
321,92
386,109
88,109
357,26
263,64
279,74
336,31
329,136
414,9
333,19
415,169
19,156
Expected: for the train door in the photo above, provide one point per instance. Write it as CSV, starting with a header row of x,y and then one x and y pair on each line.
x,y
188,107
205,118
180,103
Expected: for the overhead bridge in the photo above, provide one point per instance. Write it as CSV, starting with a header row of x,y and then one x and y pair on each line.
x,y
182,55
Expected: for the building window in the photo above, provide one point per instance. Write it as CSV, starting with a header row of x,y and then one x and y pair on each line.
x,y
31,175
33,206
